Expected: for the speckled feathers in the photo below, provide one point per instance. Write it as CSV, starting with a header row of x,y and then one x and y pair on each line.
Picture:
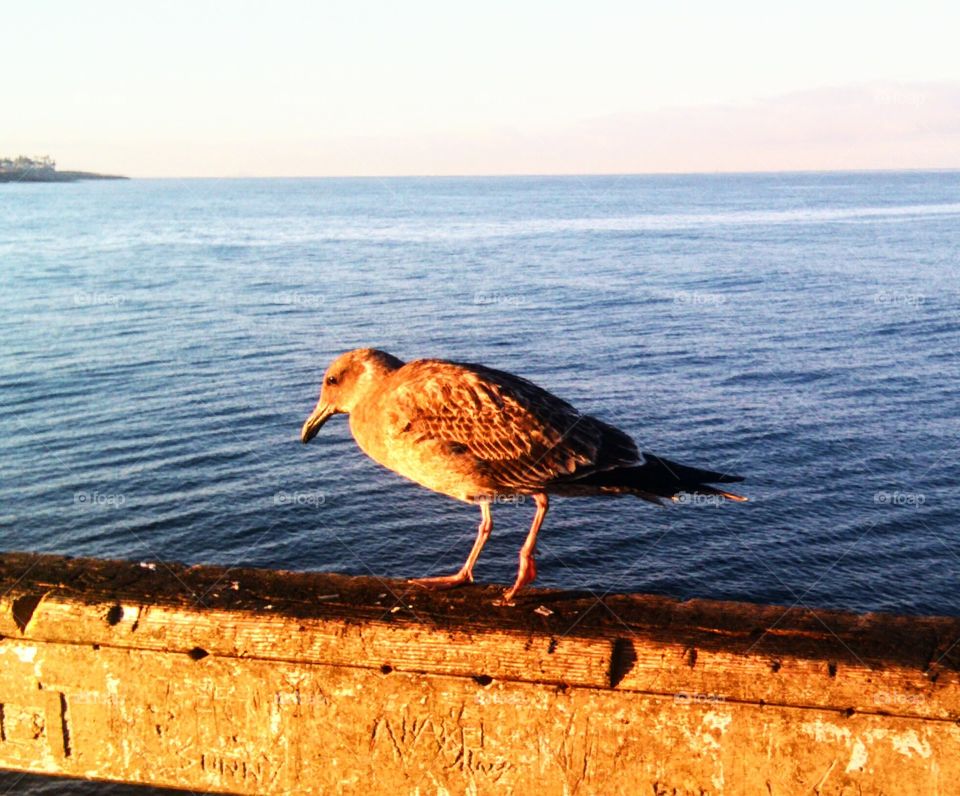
x,y
498,433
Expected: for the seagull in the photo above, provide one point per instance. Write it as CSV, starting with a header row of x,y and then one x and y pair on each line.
x,y
483,436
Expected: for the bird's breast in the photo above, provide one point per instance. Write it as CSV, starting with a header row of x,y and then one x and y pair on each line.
x,y
387,436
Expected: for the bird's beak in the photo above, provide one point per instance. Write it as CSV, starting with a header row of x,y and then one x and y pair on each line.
x,y
312,425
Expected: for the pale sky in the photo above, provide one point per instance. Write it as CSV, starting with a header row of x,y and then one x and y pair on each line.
x,y
374,88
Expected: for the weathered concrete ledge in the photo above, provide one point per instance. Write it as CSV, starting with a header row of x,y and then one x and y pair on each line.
x,y
252,681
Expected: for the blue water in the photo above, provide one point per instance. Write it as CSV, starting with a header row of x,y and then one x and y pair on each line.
x,y
163,340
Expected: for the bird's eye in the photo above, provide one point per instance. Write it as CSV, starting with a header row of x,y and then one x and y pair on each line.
x,y
331,379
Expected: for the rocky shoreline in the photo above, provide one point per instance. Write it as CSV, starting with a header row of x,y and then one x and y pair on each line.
x,y
47,175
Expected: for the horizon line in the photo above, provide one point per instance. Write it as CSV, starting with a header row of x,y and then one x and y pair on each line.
x,y
500,175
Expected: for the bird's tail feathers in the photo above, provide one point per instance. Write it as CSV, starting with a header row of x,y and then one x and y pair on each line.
x,y
659,478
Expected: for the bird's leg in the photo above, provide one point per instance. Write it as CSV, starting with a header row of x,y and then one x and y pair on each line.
x,y
528,566
465,575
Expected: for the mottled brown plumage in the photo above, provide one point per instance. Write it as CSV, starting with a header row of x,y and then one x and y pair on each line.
x,y
478,434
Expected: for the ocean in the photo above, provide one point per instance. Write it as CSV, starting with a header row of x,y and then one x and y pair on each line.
x,y
161,342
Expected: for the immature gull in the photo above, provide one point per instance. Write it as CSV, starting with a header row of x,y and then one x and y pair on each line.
x,y
479,435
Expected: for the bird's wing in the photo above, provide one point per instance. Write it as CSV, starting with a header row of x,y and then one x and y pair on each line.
x,y
520,435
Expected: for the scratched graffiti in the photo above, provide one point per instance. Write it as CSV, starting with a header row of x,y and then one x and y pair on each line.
x,y
233,768
457,745
36,729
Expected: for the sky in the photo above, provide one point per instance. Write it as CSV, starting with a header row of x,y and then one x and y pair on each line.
x,y
214,89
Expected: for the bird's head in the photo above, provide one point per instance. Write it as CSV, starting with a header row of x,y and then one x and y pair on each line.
x,y
349,379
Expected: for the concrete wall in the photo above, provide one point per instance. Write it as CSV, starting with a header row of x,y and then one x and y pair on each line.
x,y
252,681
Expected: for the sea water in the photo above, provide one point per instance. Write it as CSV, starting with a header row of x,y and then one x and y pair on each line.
x,y
161,342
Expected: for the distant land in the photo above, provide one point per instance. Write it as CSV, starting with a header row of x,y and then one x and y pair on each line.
x,y
44,169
